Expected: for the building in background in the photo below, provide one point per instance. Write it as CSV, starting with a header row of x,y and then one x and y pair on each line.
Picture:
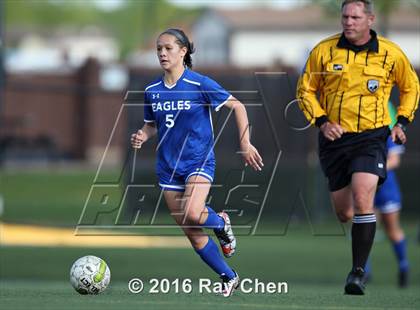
x,y
264,37
60,49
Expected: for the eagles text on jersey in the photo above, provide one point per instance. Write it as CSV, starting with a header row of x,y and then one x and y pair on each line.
x,y
182,113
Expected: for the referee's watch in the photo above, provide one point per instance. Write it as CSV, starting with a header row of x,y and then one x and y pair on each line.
x,y
404,128
402,122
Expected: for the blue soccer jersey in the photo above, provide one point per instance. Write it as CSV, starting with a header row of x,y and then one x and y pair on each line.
x,y
388,196
182,114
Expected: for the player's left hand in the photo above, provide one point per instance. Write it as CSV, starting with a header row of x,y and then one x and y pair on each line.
x,y
251,156
137,139
398,135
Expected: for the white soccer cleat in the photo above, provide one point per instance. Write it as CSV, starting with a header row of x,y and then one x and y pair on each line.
x,y
226,238
229,285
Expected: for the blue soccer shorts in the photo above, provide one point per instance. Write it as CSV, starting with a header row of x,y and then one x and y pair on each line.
x,y
173,181
388,196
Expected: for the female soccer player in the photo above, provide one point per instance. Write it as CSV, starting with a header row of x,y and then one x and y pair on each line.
x,y
389,203
177,109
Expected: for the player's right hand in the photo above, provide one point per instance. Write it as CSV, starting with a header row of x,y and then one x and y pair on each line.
x,y
398,135
332,131
137,139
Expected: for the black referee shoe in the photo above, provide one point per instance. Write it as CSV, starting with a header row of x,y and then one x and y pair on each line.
x,y
355,282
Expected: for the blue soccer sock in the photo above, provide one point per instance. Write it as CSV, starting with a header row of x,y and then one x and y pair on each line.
x,y
400,250
211,256
213,220
368,267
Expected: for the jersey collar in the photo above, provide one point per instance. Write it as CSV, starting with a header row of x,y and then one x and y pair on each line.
x,y
173,85
372,45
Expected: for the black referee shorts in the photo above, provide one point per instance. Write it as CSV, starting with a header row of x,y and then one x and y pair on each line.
x,y
353,152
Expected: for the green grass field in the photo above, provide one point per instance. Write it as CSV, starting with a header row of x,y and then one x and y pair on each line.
x,y
56,295
313,266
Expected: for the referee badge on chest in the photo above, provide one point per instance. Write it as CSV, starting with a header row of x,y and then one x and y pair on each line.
x,y
373,85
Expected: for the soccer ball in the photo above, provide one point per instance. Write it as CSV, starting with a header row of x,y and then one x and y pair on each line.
x,y
89,275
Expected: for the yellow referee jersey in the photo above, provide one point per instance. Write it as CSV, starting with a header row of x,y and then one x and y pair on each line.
x,y
353,86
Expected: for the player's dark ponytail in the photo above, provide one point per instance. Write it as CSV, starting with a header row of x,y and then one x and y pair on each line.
x,y
183,41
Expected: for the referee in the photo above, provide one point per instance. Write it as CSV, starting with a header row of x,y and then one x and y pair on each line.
x,y
344,91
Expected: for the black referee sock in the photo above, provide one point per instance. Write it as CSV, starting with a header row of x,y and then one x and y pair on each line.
x,y
362,234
